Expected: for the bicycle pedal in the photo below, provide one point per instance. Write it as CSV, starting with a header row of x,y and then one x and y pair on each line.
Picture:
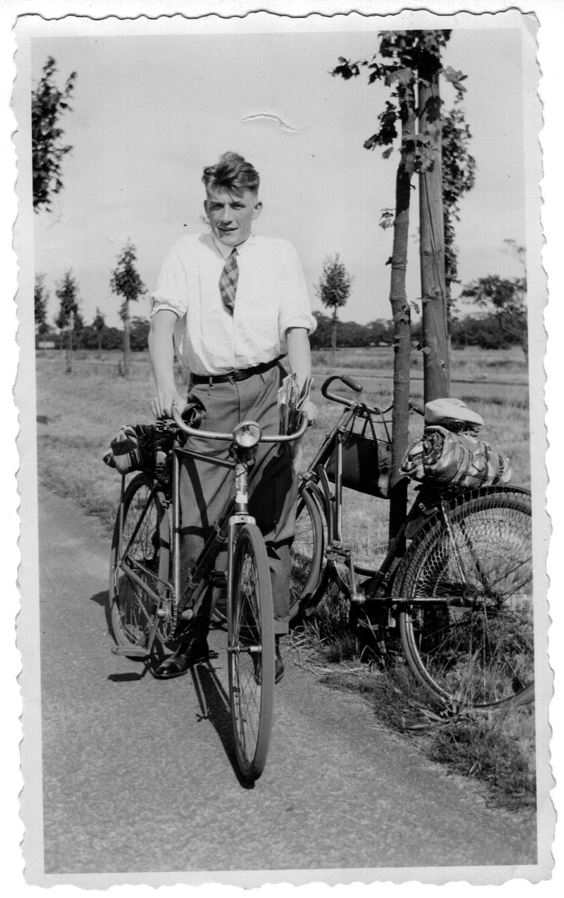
x,y
132,651
358,598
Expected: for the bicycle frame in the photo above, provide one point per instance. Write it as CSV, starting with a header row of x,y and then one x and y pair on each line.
x,y
429,500
330,499
235,513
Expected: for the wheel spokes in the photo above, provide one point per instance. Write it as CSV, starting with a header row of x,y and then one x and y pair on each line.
x,y
478,646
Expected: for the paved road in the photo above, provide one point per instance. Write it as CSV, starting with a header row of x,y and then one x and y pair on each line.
x,y
138,773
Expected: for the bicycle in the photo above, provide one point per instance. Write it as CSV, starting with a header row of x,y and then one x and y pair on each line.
x,y
457,577
151,602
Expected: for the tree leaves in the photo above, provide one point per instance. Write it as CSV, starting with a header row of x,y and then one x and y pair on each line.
x,y
67,293
334,284
346,69
125,281
47,104
40,299
387,218
505,299
456,78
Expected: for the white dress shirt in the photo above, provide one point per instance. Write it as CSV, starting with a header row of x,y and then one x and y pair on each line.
x,y
271,297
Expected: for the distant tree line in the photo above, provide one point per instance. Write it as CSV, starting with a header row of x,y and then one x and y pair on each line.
x,y
484,330
97,335
375,333
487,330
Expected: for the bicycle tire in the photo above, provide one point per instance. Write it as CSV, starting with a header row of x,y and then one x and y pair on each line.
x,y
250,652
476,648
307,554
131,609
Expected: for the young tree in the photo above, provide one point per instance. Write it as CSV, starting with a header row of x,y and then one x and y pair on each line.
x,y
333,289
68,316
399,110
459,177
126,282
48,103
506,300
411,67
99,325
41,297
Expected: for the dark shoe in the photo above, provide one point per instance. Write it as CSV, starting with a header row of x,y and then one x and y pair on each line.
x,y
278,666
192,649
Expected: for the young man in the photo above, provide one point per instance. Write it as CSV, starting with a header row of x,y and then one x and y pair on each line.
x,y
233,303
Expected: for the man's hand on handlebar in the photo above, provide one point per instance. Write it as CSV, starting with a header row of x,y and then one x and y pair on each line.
x,y
310,410
162,403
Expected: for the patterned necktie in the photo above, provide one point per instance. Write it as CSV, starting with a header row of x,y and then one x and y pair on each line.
x,y
228,281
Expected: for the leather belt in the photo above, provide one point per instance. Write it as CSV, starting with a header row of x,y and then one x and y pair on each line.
x,y
232,376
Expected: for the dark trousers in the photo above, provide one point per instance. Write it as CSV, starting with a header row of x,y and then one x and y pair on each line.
x,y
205,488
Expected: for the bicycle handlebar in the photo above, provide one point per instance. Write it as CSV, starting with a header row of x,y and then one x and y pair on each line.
x,y
348,381
229,437
349,403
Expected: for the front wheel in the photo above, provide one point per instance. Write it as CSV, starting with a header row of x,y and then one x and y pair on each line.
x,y
140,567
466,602
250,652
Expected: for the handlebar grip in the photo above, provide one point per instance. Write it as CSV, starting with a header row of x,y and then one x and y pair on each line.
x,y
334,397
349,382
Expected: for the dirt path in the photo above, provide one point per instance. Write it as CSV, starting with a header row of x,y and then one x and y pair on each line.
x,y
137,773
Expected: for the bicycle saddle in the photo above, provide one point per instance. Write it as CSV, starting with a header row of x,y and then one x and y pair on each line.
x,y
450,409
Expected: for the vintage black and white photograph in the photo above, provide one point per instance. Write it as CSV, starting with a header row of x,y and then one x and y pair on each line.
x,y
284,603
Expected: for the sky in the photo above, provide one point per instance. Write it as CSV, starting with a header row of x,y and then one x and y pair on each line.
x,y
149,112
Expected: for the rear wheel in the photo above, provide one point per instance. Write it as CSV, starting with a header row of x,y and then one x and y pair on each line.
x,y
307,554
468,630
140,567
250,652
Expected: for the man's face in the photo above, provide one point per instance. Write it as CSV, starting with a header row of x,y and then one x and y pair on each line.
x,y
231,215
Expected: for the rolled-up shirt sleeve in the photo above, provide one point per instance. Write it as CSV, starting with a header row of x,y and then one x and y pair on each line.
x,y
295,306
171,292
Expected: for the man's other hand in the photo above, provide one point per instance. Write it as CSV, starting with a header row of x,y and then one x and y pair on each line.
x,y
310,410
163,402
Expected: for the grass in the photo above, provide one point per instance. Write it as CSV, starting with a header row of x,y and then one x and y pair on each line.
x,y
79,413
495,748
469,363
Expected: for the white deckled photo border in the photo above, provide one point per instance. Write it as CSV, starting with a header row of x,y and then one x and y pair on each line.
x,y
20,20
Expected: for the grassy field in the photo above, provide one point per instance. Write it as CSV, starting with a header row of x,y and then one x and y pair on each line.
x,y
80,412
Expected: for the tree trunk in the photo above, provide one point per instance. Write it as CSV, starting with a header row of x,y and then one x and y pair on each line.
x,y
402,337
432,250
69,343
126,349
334,340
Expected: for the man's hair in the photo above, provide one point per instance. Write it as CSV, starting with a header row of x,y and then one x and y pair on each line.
x,y
232,173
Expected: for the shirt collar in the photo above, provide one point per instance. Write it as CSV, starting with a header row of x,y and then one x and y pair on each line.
x,y
225,251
